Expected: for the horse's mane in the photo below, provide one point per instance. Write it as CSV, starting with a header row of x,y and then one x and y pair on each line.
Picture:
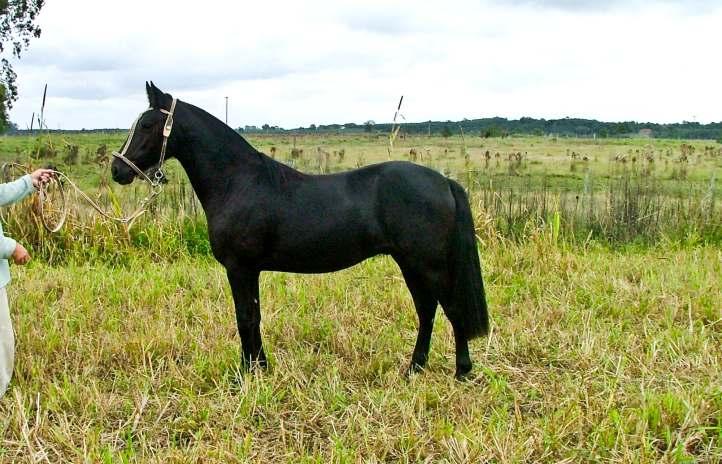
x,y
278,174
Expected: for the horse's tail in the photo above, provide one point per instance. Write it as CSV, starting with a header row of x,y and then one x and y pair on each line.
x,y
467,300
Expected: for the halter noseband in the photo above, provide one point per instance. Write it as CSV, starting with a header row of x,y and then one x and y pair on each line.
x,y
167,127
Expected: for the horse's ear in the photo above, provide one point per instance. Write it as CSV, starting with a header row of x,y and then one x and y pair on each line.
x,y
157,98
149,93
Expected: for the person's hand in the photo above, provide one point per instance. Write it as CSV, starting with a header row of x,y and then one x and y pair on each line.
x,y
20,255
41,176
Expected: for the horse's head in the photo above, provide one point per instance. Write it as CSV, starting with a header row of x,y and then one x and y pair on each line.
x,y
144,149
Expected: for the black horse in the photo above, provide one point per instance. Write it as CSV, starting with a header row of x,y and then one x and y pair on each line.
x,y
265,216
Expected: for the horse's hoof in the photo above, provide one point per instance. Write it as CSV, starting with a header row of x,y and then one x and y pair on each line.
x,y
255,365
259,365
463,373
414,368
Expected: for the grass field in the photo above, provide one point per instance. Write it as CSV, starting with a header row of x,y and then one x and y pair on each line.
x,y
606,329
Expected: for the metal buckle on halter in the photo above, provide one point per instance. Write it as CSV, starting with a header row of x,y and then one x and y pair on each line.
x,y
158,178
156,187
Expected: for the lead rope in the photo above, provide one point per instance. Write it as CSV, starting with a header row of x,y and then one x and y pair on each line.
x,y
43,194
155,185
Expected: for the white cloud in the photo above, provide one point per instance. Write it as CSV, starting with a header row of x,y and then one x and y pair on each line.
x,y
297,63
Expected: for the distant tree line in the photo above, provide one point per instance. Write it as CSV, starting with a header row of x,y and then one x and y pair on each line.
x,y
494,127
12,129
571,127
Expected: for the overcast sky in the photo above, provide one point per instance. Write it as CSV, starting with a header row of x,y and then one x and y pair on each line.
x,y
296,63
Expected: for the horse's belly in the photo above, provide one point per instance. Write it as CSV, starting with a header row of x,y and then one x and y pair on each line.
x,y
325,254
315,266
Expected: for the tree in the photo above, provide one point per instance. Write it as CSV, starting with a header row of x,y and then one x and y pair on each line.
x,y
492,131
3,109
445,131
17,27
369,126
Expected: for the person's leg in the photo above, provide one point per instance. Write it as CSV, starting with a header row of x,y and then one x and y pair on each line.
x,y
7,343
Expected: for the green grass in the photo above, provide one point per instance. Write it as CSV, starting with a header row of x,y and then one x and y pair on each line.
x,y
595,355
605,347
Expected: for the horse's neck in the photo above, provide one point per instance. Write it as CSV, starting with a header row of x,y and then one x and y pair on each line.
x,y
212,155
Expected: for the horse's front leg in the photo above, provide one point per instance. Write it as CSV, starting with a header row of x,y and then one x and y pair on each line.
x,y
244,285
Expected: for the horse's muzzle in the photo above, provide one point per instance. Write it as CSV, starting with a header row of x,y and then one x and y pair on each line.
x,y
121,175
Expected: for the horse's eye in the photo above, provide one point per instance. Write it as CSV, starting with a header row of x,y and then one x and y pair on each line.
x,y
145,125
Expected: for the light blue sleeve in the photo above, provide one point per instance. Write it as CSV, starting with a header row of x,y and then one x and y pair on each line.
x,y
7,247
16,190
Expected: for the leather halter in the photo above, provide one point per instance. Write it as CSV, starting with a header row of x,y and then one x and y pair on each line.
x,y
167,127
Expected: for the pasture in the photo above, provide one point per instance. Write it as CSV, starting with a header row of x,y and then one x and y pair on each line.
x,y
602,262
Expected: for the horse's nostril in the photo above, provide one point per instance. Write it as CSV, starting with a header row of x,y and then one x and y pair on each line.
x,y
114,171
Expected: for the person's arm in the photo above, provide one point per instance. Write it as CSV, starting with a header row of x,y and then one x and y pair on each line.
x,y
16,190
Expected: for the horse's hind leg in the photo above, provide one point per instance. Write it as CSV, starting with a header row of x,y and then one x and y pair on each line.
x,y
425,304
463,359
